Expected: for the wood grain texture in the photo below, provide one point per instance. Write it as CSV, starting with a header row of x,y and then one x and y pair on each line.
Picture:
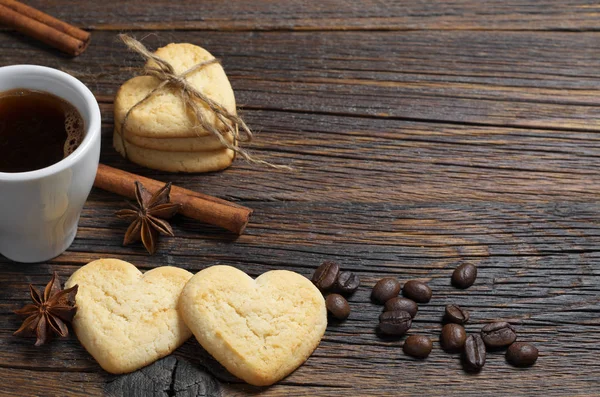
x,y
168,377
518,79
415,151
536,268
329,14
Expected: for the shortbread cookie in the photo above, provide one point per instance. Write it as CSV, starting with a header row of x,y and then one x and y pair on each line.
x,y
260,330
176,161
164,115
126,319
199,144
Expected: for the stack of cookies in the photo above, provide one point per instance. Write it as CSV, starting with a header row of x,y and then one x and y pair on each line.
x,y
162,132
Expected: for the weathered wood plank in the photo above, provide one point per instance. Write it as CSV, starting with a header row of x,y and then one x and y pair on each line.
x,y
22,382
379,160
429,161
536,269
329,14
519,79
415,152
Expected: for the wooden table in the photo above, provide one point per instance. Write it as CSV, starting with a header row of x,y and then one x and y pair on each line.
x,y
425,134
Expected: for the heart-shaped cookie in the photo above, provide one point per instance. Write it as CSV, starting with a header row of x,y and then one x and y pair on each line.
x,y
260,330
126,319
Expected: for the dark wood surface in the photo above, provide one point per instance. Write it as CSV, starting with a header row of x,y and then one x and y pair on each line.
x,y
424,134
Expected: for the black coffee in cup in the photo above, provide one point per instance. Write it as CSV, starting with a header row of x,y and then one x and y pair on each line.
x,y
37,129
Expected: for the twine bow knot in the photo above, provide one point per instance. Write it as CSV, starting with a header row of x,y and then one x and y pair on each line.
x,y
165,73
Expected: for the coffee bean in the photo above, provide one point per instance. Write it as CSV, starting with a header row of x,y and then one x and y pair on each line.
x,y
456,314
453,337
385,289
498,334
338,306
464,275
347,282
326,275
404,304
474,353
522,354
396,322
417,291
418,346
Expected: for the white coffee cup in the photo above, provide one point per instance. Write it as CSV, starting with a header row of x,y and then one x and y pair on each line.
x,y
39,210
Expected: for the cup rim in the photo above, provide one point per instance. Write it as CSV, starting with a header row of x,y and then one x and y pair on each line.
x,y
92,130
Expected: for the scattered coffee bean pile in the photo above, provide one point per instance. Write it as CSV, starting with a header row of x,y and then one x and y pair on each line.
x,y
495,336
492,336
329,279
399,313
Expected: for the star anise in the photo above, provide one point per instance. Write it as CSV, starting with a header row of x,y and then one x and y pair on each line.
x,y
148,217
49,312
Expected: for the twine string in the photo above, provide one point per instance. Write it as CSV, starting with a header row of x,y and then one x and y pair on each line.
x,y
190,96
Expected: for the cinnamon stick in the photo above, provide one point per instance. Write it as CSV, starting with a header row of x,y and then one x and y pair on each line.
x,y
202,207
43,27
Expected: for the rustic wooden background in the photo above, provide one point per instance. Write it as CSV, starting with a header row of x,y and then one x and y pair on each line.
x,y
425,134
